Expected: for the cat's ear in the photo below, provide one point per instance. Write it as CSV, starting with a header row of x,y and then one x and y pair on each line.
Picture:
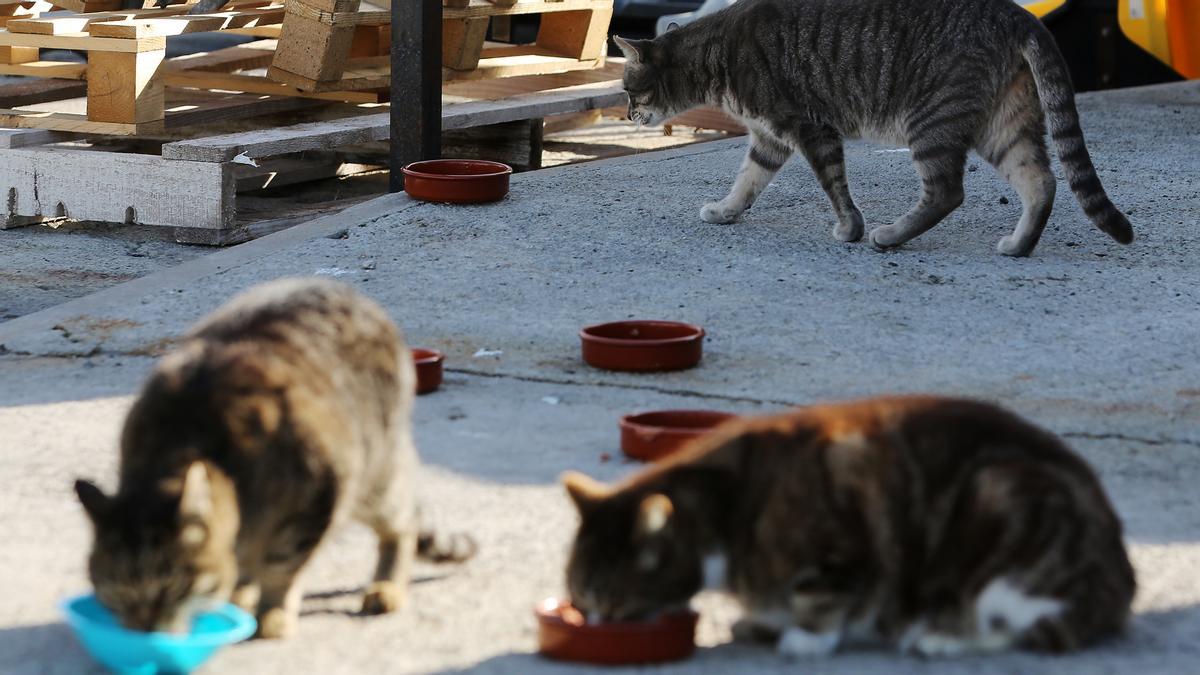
x,y
195,505
586,492
671,26
636,51
654,515
94,501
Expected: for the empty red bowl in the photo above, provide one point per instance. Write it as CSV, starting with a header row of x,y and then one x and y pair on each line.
x,y
653,435
563,635
429,369
642,346
463,181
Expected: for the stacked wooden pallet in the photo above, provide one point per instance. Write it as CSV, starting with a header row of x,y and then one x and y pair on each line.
x,y
137,137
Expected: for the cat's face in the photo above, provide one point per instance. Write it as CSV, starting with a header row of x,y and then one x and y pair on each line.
x,y
158,560
645,82
632,558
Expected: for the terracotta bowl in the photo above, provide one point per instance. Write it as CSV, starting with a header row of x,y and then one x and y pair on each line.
x,y
653,435
429,369
462,181
642,346
563,635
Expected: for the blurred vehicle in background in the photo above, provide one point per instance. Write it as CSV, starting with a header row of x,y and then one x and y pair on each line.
x,y
652,9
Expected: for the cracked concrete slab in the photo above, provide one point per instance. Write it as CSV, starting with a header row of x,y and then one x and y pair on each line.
x,y
1090,339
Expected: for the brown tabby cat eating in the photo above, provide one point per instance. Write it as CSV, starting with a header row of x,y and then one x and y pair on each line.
x,y
941,77
282,414
941,526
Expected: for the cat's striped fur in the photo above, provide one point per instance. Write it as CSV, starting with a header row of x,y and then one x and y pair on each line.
x,y
942,526
282,414
941,77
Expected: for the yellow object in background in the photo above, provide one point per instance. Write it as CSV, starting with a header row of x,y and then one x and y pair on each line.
x,y
1168,29
1041,8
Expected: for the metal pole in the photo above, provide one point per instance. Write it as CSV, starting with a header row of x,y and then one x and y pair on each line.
x,y
416,95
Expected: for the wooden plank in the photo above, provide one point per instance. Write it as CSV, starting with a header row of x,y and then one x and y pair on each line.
x,y
484,8
82,41
369,128
59,69
257,54
519,60
268,32
32,92
310,48
196,23
125,88
25,138
270,142
59,24
33,119
581,34
462,42
17,55
233,107
116,187
254,84
511,86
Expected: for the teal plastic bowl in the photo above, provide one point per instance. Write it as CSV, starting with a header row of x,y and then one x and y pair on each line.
x,y
129,652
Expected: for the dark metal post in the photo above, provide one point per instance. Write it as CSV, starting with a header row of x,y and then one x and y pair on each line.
x,y
416,95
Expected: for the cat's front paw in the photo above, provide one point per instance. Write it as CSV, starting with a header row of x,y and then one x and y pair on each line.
x,y
246,596
797,643
719,213
885,237
937,644
1012,246
276,623
383,597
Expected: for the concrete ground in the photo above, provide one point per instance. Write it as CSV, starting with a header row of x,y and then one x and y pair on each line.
x,y
1095,341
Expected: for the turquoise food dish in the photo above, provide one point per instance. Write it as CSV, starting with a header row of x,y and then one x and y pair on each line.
x,y
129,652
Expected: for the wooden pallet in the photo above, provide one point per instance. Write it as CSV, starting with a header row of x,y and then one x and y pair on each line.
x,y
316,54
204,156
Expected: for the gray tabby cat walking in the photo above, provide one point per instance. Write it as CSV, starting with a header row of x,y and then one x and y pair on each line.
x,y
282,414
941,77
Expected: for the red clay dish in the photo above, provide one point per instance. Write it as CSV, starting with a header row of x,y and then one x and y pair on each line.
x,y
564,635
429,369
461,181
642,346
653,435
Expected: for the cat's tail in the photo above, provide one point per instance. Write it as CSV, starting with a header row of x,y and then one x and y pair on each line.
x,y
1058,101
439,547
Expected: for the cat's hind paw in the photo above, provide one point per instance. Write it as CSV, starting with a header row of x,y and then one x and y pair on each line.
x,y
383,597
851,229
719,213
797,643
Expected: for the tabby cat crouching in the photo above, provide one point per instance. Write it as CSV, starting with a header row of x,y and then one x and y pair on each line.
x,y
940,526
278,416
941,77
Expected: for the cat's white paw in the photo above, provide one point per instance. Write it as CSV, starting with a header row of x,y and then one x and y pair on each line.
x,y
1009,245
885,237
246,597
797,643
937,644
383,597
719,213
276,623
